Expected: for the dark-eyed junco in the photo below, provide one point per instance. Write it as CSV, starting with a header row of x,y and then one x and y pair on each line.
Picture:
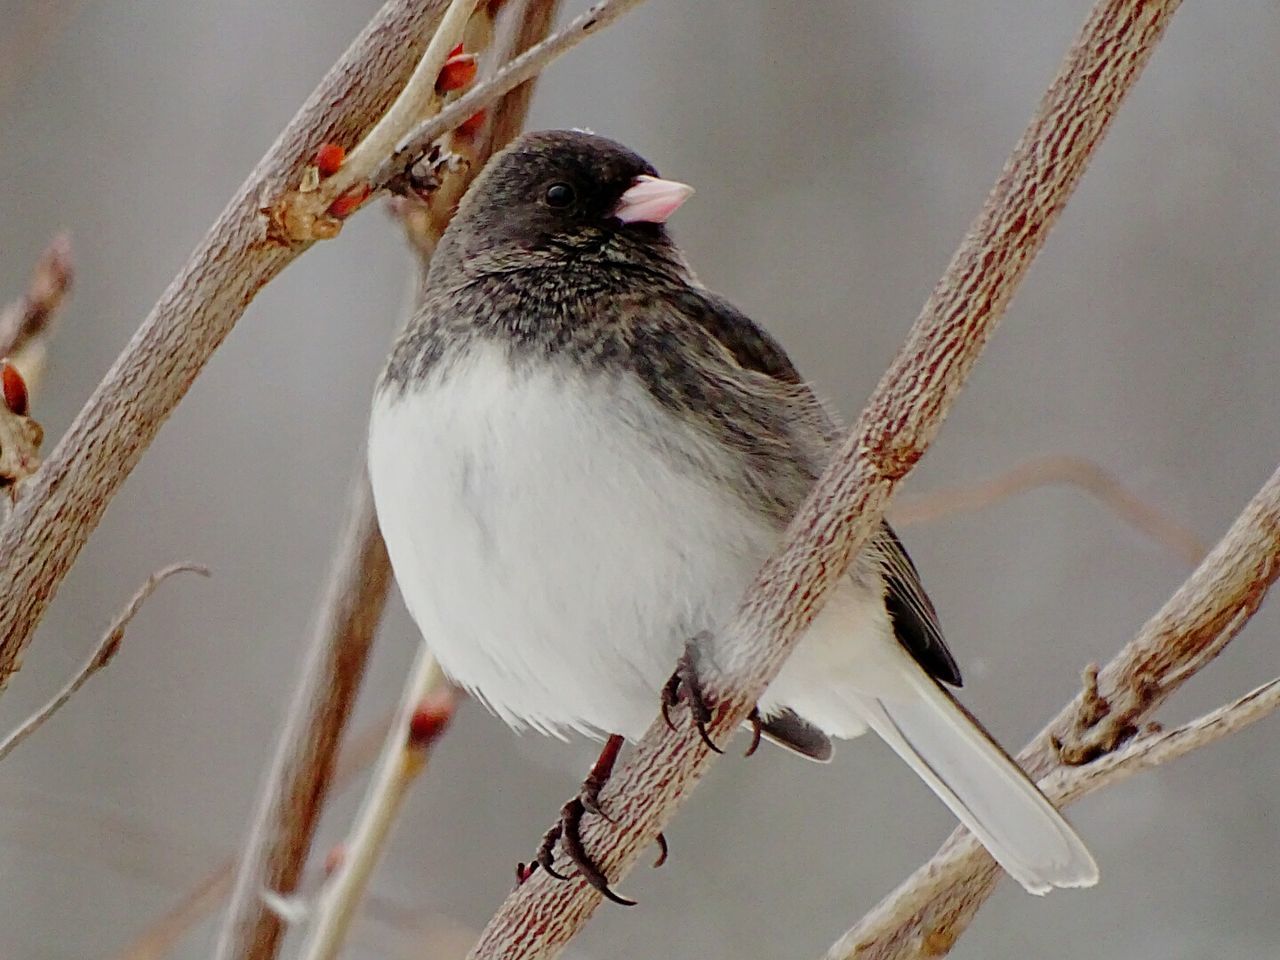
x,y
580,459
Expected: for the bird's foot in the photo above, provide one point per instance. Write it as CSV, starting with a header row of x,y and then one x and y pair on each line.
x,y
568,830
686,685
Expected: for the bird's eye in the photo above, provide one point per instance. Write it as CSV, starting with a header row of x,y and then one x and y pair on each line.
x,y
560,195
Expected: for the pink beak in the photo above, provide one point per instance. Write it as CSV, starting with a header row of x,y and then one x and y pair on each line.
x,y
651,200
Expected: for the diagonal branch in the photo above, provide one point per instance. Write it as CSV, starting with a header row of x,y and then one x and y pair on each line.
x,y
102,655
902,417
66,499
930,909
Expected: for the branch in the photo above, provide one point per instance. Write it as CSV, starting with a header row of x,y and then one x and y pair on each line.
x,y
29,318
902,417
303,215
297,785
106,650
25,326
427,706
1042,471
159,938
66,499
933,906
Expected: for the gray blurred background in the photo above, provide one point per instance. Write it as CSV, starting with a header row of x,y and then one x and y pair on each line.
x,y
839,149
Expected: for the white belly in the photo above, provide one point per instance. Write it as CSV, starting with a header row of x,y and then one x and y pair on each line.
x,y
557,562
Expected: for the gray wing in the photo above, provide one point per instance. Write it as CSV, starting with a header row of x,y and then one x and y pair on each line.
x,y
812,429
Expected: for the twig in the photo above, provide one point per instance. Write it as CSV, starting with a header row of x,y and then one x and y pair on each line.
x,y
303,215
65,500
298,783
297,786
847,502
426,708
1043,471
25,326
522,68
107,648
937,902
159,938
417,98
28,318
1153,749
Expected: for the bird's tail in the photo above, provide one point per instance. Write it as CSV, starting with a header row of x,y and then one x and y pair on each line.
x,y
986,790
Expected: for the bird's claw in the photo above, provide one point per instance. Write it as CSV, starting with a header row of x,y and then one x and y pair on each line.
x,y
568,830
685,685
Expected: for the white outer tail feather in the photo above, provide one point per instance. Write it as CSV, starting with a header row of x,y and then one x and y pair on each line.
x,y
984,788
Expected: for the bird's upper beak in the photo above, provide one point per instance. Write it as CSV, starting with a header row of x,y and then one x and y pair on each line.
x,y
651,200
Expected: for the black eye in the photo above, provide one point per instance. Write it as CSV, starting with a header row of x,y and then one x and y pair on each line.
x,y
560,195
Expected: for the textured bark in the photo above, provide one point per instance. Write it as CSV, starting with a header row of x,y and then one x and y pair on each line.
x,y
66,499
891,435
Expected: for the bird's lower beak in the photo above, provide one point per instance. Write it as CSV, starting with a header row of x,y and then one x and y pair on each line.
x,y
651,200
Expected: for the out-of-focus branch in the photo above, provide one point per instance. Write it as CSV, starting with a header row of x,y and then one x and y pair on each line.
x,y
107,648
297,786
160,937
901,419
1044,471
27,320
25,326
932,907
426,710
65,500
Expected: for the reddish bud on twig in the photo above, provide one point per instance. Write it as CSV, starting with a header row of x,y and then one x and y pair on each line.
x,y
455,51
350,201
456,73
471,125
329,158
431,718
333,859
15,388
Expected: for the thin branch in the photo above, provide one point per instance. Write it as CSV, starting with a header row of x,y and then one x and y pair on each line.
x,y
902,417
65,500
106,650
418,99
1154,749
426,708
297,786
518,71
937,902
303,215
29,317
25,328
1044,471
165,932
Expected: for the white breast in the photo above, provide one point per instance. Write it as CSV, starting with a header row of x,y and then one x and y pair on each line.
x,y
554,557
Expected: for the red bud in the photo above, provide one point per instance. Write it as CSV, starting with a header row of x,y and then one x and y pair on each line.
x,y
456,73
430,718
472,124
329,158
350,201
15,388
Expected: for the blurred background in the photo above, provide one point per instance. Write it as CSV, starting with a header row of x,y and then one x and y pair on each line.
x,y
839,150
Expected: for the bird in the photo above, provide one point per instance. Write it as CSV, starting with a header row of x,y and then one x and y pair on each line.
x,y
580,457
